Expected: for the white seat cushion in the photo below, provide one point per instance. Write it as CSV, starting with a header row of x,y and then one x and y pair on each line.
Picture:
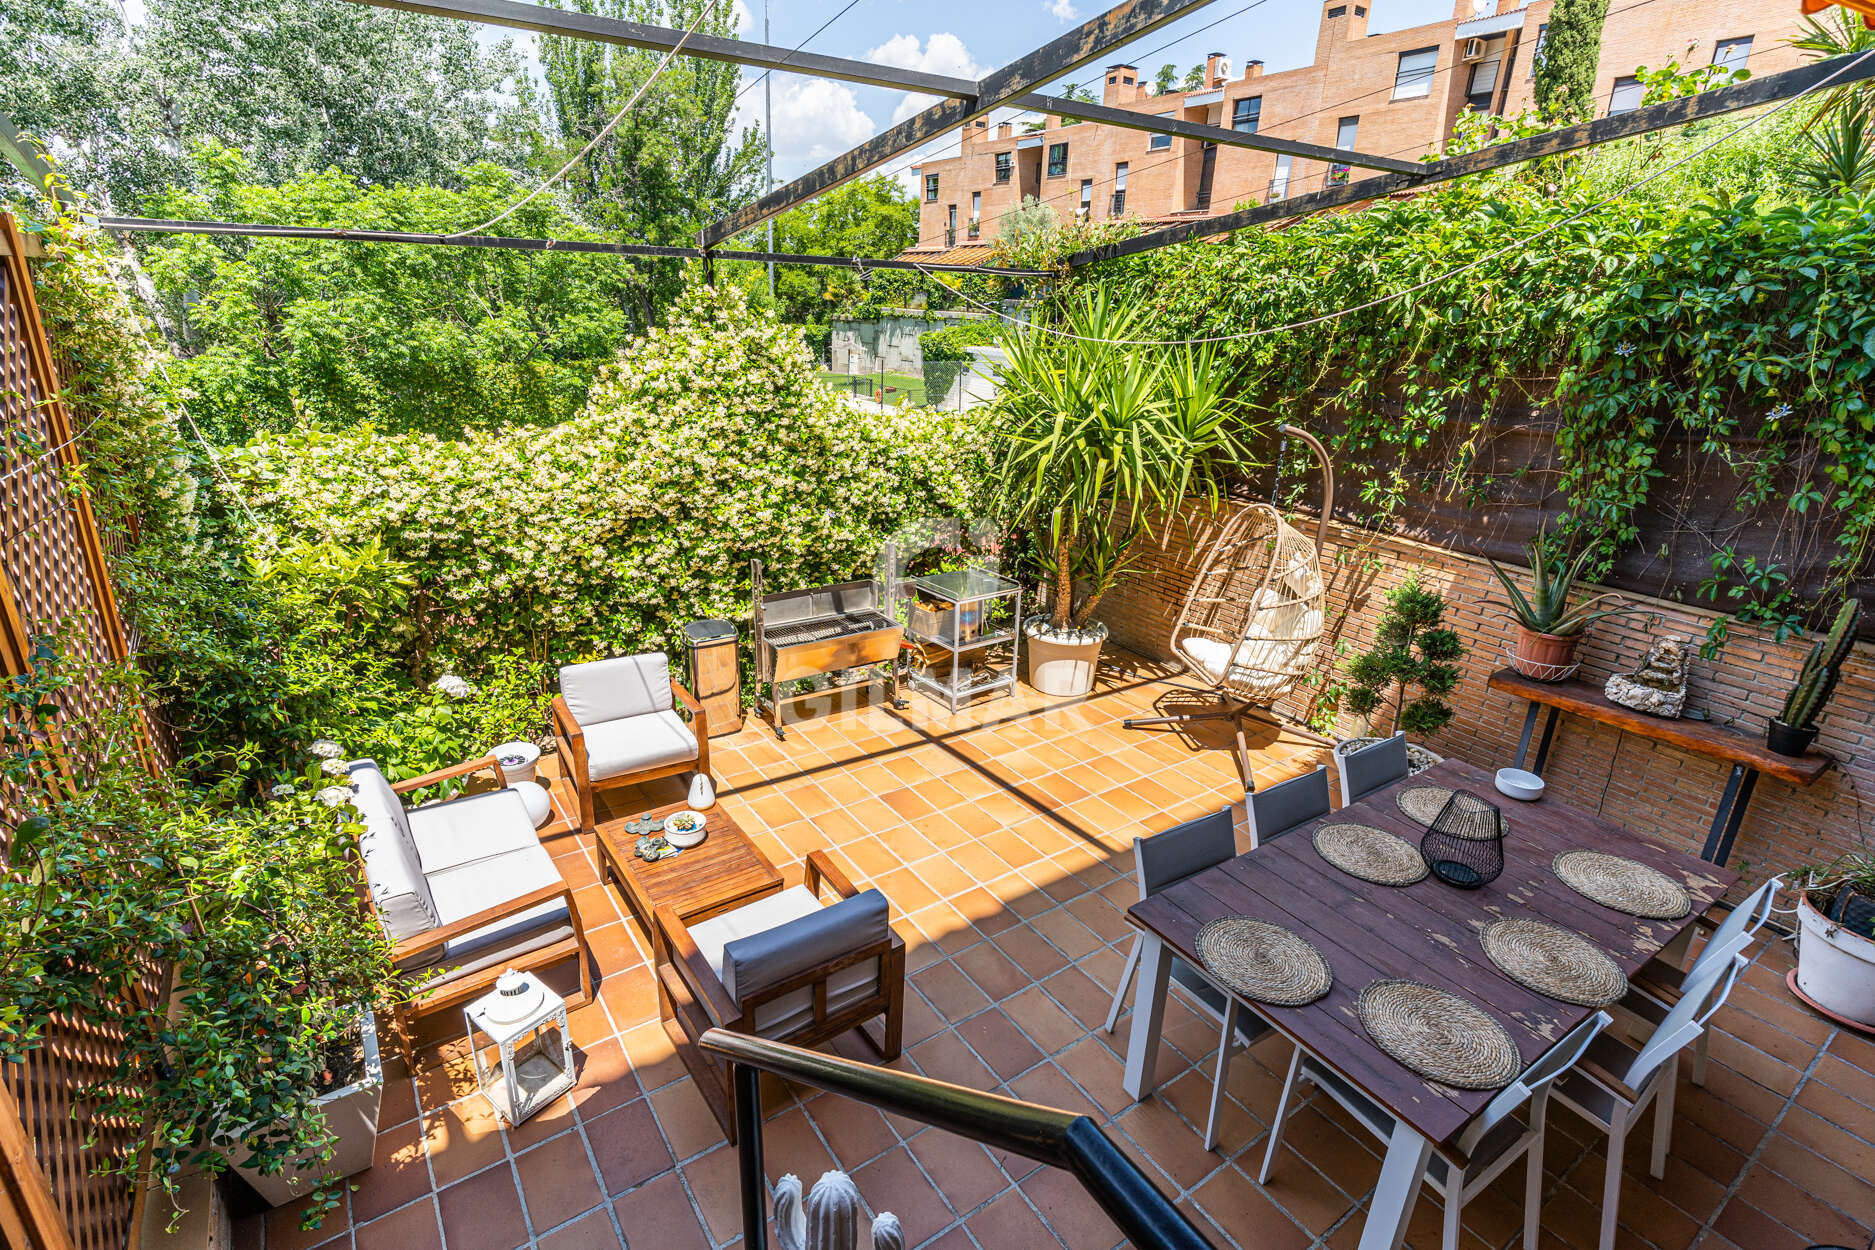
x,y
628,685
789,1012
1278,646
637,743
393,869
466,830
473,887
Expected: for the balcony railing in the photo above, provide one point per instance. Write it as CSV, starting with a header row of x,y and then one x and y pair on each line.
x,y
1073,1143
1278,189
950,236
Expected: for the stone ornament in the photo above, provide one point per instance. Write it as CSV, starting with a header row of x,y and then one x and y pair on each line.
x,y
830,1218
1658,686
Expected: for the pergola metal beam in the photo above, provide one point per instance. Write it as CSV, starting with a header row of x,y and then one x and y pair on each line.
x,y
1131,120
263,230
551,21
1769,89
1021,76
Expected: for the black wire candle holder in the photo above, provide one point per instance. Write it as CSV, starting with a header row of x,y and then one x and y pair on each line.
x,y
1464,847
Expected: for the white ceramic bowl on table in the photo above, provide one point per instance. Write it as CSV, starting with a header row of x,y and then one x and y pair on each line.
x,y
1518,784
684,829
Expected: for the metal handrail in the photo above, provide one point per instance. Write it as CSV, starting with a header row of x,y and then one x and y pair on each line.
x,y
1058,1138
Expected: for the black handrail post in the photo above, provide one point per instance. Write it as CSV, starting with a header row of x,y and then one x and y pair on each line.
x,y
748,1083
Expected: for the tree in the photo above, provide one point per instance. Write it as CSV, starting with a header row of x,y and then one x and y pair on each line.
x,y
1565,69
867,217
1166,80
1077,91
1194,79
672,164
1411,648
295,85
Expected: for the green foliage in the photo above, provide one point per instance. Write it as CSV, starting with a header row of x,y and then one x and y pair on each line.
x,y
1565,72
1091,438
252,909
1035,236
1822,668
872,217
282,332
298,85
1166,79
711,441
1553,577
951,342
1411,649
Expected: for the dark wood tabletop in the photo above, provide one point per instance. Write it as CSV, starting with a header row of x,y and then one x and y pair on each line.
x,y
719,874
1428,931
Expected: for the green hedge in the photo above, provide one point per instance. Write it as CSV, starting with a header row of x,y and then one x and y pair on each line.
x,y
950,342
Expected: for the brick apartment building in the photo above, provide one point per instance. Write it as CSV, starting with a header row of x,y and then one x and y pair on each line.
x,y
1396,94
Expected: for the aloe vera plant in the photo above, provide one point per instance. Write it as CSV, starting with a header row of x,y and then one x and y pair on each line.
x,y
1822,668
1546,609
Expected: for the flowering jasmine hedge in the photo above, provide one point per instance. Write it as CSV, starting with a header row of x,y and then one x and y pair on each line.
x,y
709,442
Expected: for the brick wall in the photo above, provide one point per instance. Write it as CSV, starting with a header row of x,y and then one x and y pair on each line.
x,y
1652,788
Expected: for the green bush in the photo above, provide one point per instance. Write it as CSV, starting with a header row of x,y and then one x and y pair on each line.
x,y
818,336
1411,649
951,342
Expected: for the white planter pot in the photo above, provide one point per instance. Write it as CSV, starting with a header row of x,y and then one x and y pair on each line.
x,y
1835,968
1063,664
1418,758
351,1113
530,760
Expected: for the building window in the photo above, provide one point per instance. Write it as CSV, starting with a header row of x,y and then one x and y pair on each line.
x,y
1246,114
1340,10
1119,189
1732,53
1481,89
1626,97
1112,78
1126,82
1279,185
1412,80
1158,143
950,226
1347,132
1057,160
930,188
1005,164
1536,48
1087,197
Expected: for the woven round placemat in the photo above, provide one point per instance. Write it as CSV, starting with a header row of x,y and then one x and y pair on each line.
x,y
1370,854
1554,962
1264,962
1439,1035
1624,884
1423,803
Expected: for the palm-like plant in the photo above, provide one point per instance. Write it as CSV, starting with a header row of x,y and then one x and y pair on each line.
x,y
1546,609
1095,436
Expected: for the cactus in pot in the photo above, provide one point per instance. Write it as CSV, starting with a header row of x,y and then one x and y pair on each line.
x,y
1792,732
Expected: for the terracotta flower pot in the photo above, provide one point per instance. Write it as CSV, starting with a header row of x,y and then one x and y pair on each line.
x,y
1544,657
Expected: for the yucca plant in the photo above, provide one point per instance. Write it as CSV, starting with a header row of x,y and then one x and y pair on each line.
x,y
1093,436
1546,609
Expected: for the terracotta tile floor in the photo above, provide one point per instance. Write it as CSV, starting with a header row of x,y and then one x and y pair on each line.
x,y
1002,836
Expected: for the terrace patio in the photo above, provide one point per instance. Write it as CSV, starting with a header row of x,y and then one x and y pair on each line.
x,y
1002,837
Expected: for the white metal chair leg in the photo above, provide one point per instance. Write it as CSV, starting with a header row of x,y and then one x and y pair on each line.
x,y
1282,1117
1663,1118
1226,1047
1533,1175
1126,979
1699,1058
1454,1208
1611,1183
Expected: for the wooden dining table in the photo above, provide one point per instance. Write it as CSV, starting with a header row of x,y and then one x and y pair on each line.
x,y
1426,932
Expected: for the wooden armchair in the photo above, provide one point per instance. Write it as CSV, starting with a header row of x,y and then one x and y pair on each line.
x,y
464,888
787,968
616,724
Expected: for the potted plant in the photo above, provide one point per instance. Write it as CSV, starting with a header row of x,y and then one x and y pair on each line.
x,y
1548,629
1793,730
1093,435
1836,945
1412,648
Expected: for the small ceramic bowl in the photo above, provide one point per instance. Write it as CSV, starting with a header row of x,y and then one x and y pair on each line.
x,y
685,828
1517,784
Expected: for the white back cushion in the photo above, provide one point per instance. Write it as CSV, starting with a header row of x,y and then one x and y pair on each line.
x,y
629,685
392,867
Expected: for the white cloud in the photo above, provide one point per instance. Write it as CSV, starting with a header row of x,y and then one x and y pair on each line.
x,y
745,19
1062,10
942,53
816,119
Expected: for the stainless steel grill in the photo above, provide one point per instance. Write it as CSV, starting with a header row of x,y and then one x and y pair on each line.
x,y
801,634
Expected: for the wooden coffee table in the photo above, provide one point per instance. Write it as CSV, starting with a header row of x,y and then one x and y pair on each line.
x,y
719,874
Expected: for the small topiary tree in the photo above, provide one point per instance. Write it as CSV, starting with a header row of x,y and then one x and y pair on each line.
x,y
1411,648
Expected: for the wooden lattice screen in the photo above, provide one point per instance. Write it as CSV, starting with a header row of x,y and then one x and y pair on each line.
x,y
53,578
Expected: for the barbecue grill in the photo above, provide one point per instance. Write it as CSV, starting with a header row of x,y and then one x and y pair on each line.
x,y
811,633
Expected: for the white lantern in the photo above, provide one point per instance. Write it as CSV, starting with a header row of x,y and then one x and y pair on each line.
x,y
525,1022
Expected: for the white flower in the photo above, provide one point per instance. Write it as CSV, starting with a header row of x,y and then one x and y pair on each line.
x,y
453,686
281,791
1624,349
334,768
336,796
326,749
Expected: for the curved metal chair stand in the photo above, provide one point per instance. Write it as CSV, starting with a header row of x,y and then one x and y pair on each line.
x,y
1252,622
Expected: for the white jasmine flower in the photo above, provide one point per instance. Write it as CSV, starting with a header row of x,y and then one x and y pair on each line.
x,y
281,791
326,749
334,768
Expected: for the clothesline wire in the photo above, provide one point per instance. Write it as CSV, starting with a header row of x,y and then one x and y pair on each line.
x,y
753,83
1468,266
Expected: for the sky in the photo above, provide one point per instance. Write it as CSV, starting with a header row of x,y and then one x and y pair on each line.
x,y
816,119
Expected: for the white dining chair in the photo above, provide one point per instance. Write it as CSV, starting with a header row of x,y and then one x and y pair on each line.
x,y
1489,1145
1161,861
1614,1082
1661,983
1364,771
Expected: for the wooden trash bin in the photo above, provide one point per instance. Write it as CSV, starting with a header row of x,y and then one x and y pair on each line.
x,y
716,674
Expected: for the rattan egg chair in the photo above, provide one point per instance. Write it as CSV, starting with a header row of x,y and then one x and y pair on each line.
x,y
1252,621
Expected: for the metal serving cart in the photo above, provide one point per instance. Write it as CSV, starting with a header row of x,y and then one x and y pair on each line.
x,y
964,627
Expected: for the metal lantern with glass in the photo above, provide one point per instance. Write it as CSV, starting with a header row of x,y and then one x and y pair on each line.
x,y
1465,845
525,1023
